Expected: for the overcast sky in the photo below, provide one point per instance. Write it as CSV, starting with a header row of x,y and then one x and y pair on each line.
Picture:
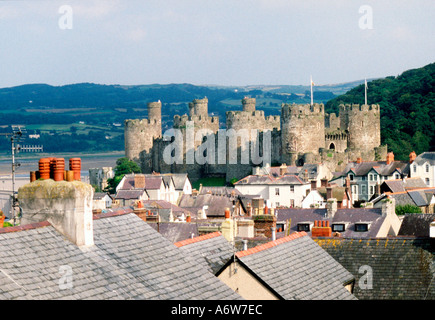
x,y
220,42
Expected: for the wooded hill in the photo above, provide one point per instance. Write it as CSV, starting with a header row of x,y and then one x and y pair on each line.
x,y
407,109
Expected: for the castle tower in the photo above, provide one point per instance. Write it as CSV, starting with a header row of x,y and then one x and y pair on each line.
x,y
155,111
363,124
302,130
139,136
199,107
248,104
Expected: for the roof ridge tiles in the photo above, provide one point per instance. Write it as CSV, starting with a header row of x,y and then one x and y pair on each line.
x,y
198,239
274,243
30,226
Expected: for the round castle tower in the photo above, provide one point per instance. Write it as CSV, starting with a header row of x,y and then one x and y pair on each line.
x,y
248,104
139,134
363,124
302,130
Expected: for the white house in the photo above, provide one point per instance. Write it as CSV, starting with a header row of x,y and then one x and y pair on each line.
x,y
281,191
423,166
101,200
314,200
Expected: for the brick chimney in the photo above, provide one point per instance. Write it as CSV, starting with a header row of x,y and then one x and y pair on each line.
x,y
139,181
313,185
390,157
66,205
412,157
324,183
321,229
359,160
328,192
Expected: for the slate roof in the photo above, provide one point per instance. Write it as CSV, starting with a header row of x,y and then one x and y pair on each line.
x,y
100,195
428,157
212,250
401,268
129,194
216,203
151,182
296,268
418,197
381,167
129,260
175,231
337,193
350,216
399,185
268,179
416,224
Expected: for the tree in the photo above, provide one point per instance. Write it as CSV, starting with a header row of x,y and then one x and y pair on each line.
x,y
407,208
123,166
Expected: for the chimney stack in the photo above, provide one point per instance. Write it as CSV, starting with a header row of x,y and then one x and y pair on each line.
x,y
388,207
324,182
331,207
321,229
283,169
358,160
412,157
313,185
66,205
273,229
139,181
390,157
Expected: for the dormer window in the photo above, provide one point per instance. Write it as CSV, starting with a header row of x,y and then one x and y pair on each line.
x,y
338,227
362,226
351,177
304,226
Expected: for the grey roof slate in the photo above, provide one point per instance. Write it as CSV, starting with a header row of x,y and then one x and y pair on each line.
x,y
129,260
416,224
213,252
381,167
175,231
351,216
300,270
428,157
400,268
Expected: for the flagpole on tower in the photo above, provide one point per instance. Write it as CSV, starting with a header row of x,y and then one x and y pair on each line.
x,y
311,84
365,91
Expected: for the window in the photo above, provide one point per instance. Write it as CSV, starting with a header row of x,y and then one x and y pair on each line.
x,y
427,181
414,167
396,176
372,189
304,227
351,177
361,227
338,227
363,178
354,189
363,189
277,191
276,204
427,168
371,177
292,188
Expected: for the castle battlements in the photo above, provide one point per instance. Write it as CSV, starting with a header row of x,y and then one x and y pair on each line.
x,y
358,107
294,110
141,122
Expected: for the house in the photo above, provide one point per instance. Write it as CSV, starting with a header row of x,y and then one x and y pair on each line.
x,y
167,211
307,172
290,268
423,198
364,176
130,197
318,196
102,201
401,185
423,166
281,191
72,254
393,268
354,222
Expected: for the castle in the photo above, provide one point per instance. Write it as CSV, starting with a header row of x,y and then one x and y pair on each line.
x,y
301,134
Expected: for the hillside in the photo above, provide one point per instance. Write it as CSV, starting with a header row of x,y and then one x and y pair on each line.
x,y
407,109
